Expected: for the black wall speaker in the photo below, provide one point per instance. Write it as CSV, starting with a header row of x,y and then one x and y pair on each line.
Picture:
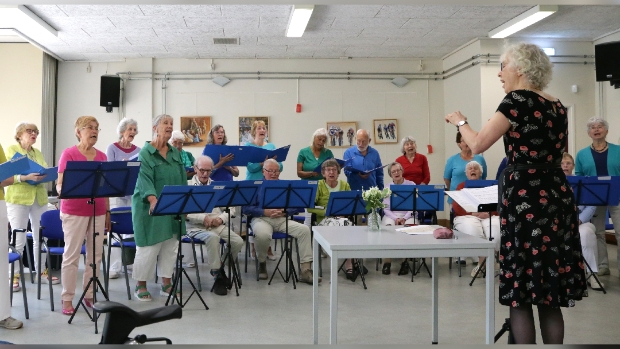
x,y
110,92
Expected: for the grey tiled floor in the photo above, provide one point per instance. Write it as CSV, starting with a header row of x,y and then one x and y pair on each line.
x,y
392,311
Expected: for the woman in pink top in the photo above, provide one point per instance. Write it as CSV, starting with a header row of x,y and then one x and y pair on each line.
x,y
77,216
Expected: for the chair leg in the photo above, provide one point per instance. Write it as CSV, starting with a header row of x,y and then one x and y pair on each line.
x,y
202,255
106,276
23,277
30,260
49,284
11,281
299,258
196,264
247,252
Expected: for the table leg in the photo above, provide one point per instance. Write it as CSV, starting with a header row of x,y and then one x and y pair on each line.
x,y
490,334
435,303
315,290
333,300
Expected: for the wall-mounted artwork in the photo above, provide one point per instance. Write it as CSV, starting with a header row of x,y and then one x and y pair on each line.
x,y
245,125
386,131
341,134
195,129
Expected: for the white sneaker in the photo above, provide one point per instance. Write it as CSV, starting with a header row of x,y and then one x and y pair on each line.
x,y
475,270
114,274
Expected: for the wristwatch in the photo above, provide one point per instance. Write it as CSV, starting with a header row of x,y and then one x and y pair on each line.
x,y
461,123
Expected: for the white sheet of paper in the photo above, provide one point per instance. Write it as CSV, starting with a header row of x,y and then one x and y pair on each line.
x,y
419,229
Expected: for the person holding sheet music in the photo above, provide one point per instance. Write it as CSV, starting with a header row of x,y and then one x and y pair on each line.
x,y
601,158
330,170
311,157
586,229
156,236
221,172
395,171
475,223
177,140
415,165
258,132
211,227
122,150
77,216
363,157
540,253
25,201
266,221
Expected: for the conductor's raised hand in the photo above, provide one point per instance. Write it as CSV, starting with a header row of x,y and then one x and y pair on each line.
x,y
454,118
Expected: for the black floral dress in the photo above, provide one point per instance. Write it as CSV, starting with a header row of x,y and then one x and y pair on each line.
x,y
540,254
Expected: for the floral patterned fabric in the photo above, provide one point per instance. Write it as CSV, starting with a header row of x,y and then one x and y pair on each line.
x,y
540,253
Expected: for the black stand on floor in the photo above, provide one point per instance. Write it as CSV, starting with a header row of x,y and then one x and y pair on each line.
x,y
489,208
179,200
505,328
413,198
348,204
95,179
288,196
595,191
239,193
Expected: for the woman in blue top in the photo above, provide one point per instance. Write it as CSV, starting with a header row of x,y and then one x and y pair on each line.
x,y
311,157
217,136
601,159
454,173
258,132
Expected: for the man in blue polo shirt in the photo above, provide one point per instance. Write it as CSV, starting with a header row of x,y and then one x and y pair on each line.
x,y
363,157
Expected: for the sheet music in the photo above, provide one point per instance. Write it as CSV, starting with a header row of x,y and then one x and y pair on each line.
x,y
470,198
419,229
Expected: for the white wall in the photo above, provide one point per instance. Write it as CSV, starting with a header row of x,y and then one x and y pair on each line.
x,y
21,71
322,101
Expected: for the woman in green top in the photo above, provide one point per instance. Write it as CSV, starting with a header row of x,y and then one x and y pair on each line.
x,y
177,140
311,157
26,201
330,169
155,236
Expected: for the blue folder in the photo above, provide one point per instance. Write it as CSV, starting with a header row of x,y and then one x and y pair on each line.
x,y
51,174
480,183
357,170
244,154
13,167
595,191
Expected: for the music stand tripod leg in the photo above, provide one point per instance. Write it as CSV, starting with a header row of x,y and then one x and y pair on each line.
x,y
594,275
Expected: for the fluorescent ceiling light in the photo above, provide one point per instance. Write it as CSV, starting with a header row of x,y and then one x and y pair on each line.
x,y
523,20
19,17
299,20
550,51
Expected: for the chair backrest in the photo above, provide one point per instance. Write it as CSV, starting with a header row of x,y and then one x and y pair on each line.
x,y
121,220
51,225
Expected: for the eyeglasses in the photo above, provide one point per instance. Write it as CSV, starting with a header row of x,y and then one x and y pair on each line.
x,y
92,128
330,169
396,171
272,171
29,131
204,170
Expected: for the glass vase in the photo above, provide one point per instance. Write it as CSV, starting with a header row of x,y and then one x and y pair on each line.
x,y
374,220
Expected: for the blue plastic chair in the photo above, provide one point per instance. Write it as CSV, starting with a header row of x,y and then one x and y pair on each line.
x,y
15,256
51,229
122,225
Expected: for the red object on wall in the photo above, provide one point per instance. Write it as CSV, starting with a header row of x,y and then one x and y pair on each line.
x,y
298,108
430,149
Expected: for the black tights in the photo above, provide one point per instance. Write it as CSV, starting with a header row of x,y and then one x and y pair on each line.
x,y
524,331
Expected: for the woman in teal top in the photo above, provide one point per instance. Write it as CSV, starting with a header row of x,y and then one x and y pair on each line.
x,y
155,236
311,157
258,132
601,159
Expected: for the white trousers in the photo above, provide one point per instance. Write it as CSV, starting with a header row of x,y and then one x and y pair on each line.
x,y
211,238
599,220
588,245
263,227
18,218
5,283
475,226
146,260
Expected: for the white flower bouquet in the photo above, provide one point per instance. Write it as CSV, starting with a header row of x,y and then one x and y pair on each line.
x,y
374,201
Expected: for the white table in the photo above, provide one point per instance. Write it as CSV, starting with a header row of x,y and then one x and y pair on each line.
x,y
358,242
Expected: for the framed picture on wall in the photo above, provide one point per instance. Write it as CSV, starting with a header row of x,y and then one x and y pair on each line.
x,y
245,125
386,131
195,129
341,134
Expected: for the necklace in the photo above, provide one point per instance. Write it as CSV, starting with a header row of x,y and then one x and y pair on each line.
x,y
600,150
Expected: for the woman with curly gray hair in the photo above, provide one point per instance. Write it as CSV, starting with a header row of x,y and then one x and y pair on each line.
x,y
541,262
601,158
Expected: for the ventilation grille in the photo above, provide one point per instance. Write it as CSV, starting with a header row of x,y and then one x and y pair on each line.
x,y
226,41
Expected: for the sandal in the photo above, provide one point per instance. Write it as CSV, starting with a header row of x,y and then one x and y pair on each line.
x,y
144,296
66,311
166,289
386,268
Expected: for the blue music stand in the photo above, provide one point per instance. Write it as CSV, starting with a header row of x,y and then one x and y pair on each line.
x,y
480,183
234,193
413,198
350,204
180,200
97,179
595,191
283,194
